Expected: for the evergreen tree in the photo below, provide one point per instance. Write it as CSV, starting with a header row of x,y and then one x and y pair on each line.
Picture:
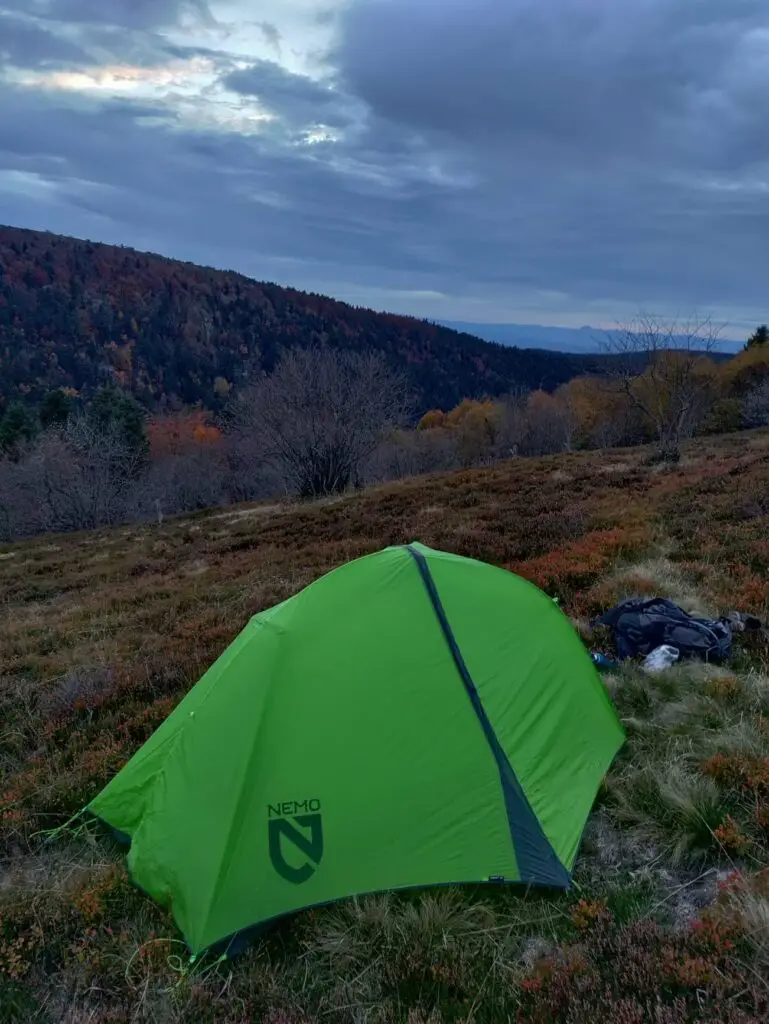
x,y
116,411
56,409
759,337
17,425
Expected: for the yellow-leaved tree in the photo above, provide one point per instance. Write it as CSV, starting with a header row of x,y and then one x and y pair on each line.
x,y
664,370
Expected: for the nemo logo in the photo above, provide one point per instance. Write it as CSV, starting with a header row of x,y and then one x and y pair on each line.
x,y
295,827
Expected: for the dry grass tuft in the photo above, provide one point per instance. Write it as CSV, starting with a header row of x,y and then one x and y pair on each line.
x,y
661,577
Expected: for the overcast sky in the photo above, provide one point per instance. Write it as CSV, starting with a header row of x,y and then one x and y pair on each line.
x,y
551,161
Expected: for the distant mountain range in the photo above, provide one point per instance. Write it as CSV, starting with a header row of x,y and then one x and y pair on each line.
x,y
578,340
76,314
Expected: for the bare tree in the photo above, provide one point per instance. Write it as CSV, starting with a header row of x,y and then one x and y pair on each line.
x,y
320,415
513,423
250,477
534,423
78,477
406,453
664,370
184,482
551,425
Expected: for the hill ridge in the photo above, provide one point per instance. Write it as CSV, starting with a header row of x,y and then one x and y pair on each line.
x,y
76,314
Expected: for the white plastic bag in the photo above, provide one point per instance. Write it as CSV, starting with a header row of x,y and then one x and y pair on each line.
x,y
661,658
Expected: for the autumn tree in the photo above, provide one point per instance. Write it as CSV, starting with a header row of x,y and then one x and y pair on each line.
x,y
181,432
665,372
189,466
320,415
741,381
434,419
476,428
746,369
602,416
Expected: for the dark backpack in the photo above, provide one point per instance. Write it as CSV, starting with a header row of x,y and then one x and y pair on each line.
x,y
640,625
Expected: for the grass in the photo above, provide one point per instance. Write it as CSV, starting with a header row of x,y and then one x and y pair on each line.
x,y
694,777
102,633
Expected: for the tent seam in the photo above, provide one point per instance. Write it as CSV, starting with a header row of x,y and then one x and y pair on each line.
x,y
536,858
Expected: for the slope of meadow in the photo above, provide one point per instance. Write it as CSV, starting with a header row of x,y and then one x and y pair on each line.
x,y
102,633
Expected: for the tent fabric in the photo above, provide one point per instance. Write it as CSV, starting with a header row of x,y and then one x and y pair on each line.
x,y
413,718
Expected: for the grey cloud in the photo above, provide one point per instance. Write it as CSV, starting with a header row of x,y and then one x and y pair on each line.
x,y
36,41
262,203
194,192
592,79
144,48
580,154
298,98
271,35
28,44
598,132
140,14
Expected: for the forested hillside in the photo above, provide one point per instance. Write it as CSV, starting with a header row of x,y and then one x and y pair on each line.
x,y
76,315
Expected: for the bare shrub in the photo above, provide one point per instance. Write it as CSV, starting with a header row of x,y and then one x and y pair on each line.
x,y
513,424
250,477
78,477
79,688
320,415
755,406
551,425
194,479
412,453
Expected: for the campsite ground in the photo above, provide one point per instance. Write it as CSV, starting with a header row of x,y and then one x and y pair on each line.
x,y
100,635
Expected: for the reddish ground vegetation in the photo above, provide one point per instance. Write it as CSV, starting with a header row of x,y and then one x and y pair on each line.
x,y
638,972
101,634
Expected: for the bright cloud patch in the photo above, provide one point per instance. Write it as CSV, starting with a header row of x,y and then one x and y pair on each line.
x,y
115,80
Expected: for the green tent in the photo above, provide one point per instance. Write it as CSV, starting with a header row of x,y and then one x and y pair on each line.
x,y
413,718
